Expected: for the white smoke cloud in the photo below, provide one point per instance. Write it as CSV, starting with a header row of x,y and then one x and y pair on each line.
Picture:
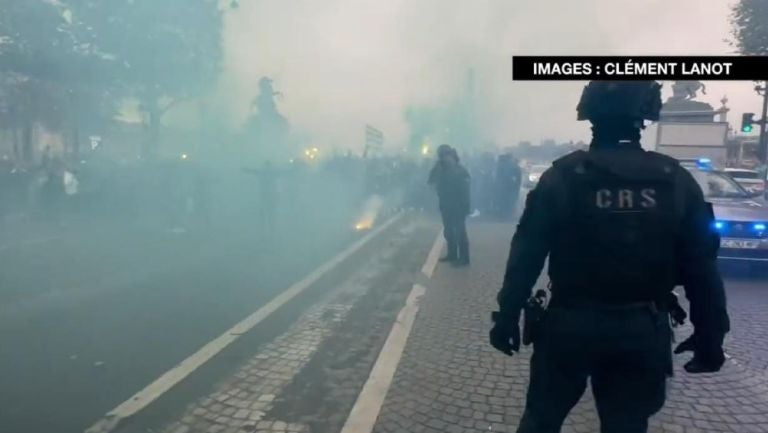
x,y
344,63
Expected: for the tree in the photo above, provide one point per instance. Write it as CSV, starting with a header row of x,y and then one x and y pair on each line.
x,y
168,51
750,27
47,65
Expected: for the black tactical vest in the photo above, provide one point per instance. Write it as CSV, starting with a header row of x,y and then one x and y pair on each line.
x,y
619,217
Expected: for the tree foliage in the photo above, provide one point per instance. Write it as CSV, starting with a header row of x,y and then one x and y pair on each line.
x,y
749,20
87,56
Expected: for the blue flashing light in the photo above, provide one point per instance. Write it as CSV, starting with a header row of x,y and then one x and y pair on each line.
x,y
704,163
719,225
759,227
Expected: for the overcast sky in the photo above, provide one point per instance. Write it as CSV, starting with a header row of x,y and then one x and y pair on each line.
x,y
344,63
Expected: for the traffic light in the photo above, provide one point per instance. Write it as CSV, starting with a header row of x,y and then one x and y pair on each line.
x,y
747,119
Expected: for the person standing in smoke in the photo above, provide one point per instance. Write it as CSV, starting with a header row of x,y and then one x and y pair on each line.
x,y
508,180
515,182
484,181
268,197
452,182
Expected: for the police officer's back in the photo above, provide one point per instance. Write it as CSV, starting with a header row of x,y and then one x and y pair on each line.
x,y
621,227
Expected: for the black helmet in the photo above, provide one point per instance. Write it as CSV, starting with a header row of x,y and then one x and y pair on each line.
x,y
620,100
444,149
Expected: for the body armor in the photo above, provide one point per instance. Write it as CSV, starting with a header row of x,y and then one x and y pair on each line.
x,y
621,213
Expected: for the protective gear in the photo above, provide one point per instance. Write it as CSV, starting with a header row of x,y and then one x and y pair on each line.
x,y
444,150
617,250
452,183
621,226
708,354
624,355
505,334
616,100
622,202
533,315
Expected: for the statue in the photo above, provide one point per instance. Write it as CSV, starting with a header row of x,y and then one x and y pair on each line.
x,y
265,101
686,90
266,127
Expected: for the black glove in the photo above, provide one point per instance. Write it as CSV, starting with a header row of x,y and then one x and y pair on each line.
x,y
708,355
505,334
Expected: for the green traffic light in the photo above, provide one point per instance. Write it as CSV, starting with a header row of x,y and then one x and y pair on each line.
x,y
746,128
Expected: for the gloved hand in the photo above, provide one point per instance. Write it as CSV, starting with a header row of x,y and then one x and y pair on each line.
x,y
708,355
505,334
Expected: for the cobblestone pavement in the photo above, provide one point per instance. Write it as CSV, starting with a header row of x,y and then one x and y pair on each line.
x,y
450,379
267,392
748,302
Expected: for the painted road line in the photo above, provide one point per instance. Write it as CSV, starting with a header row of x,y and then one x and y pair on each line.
x,y
434,254
154,390
366,410
275,366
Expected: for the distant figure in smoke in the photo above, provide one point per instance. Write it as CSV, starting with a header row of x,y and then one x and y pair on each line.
x,y
508,180
268,196
483,180
52,190
452,182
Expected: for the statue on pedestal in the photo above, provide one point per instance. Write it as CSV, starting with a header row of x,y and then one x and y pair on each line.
x,y
683,107
687,90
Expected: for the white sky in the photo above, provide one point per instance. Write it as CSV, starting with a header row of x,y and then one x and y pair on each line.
x,y
344,63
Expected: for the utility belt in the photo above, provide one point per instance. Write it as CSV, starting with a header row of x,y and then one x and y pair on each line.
x,y
537,305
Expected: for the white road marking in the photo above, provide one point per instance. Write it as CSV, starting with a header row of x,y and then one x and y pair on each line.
x,y
154,390
434,254
366,410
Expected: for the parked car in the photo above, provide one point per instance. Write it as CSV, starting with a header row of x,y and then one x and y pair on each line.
x,y
749,179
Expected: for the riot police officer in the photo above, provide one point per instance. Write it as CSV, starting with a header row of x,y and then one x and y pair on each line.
x,y
508,182
452,184
621,226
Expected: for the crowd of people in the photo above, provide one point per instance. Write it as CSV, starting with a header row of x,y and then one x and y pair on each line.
x,y
185,193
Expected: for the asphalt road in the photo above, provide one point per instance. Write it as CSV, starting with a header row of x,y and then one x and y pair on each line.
x,y
89,316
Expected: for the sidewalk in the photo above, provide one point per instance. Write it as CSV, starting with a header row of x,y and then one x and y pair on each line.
x,y
450,380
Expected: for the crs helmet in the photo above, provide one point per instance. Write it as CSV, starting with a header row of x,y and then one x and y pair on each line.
x,y
620,100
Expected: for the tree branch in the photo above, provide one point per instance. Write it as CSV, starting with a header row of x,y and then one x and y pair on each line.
x,y
172,104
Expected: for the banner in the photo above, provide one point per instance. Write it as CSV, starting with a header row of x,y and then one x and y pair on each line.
x,y
622,68
373,137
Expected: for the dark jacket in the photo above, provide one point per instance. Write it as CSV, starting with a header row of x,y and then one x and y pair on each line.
x,y
452,184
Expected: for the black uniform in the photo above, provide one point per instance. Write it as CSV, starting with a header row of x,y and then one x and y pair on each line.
x,y
508,181
621,227
452,183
